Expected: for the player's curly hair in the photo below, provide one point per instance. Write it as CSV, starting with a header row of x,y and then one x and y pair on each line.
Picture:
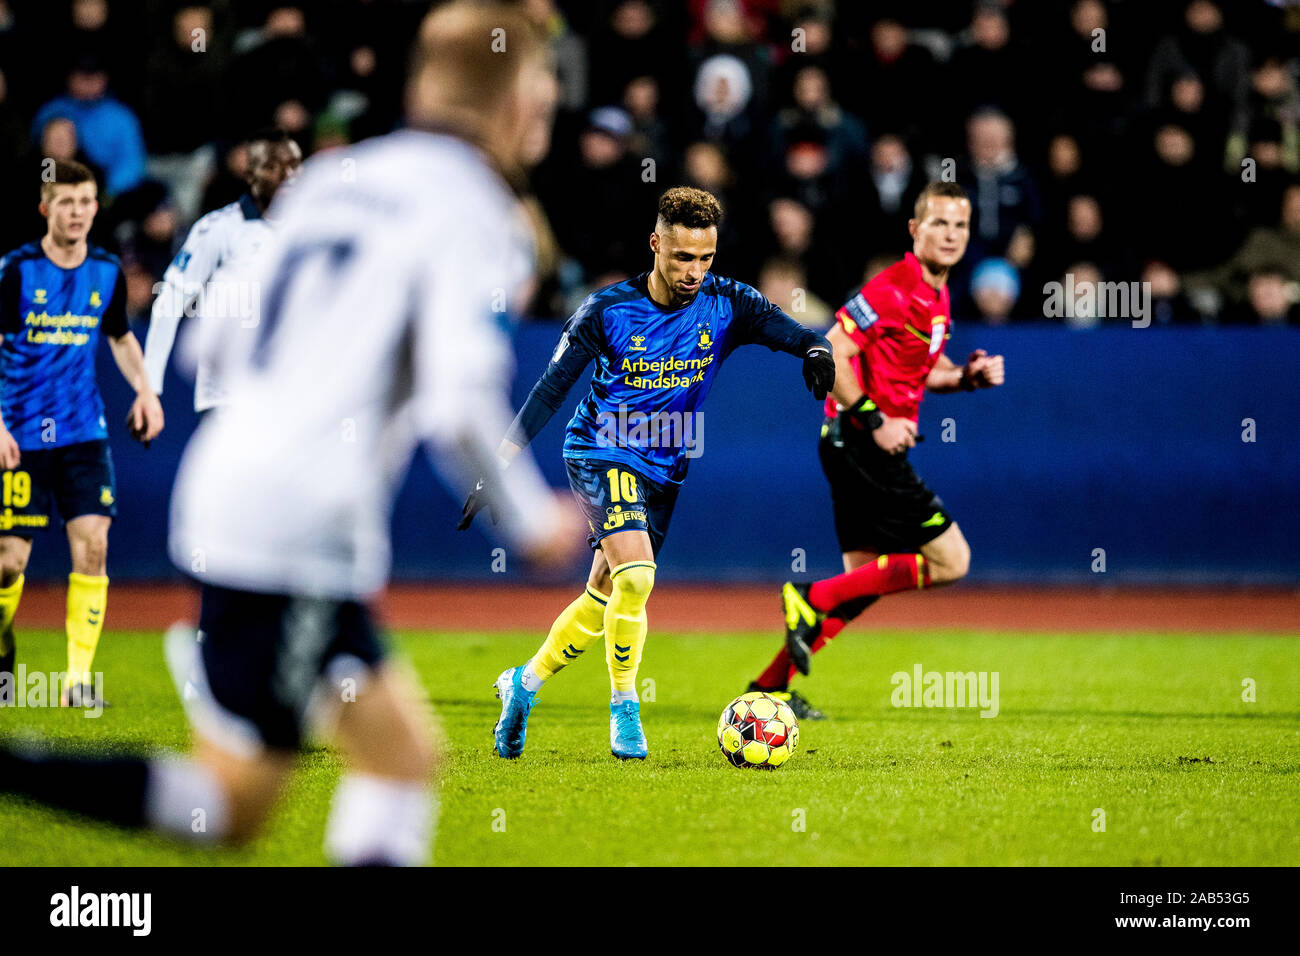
x,y
689,207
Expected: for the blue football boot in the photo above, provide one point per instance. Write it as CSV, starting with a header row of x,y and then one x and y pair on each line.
x,y
516,703
626,740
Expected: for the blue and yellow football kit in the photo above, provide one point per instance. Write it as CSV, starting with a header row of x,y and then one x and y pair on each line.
x,y
627,448
51,319
630,441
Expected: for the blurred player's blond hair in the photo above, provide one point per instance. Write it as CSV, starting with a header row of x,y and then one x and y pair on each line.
x,y
483,70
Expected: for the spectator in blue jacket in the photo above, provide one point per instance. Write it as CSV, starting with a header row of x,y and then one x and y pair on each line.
x,y
107,129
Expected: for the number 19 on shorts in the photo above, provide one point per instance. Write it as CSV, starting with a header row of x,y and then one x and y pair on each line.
x,y
17,489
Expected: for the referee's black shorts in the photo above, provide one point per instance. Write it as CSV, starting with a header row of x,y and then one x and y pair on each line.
x,y
880,503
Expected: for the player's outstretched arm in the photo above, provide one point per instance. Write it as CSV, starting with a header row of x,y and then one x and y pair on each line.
x,y
542,524
145,419
762,323
463,367
579,343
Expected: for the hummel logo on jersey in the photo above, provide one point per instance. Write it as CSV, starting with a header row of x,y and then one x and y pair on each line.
x,y
39,297
638,343
933,521
105,495
95,301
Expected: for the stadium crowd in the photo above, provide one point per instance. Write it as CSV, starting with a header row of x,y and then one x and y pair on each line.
x,y
1111,140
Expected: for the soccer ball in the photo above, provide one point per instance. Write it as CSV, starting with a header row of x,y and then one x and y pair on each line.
x,y
758,730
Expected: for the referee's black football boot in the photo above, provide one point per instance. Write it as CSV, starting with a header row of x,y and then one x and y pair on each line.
x,y
802,707
803,623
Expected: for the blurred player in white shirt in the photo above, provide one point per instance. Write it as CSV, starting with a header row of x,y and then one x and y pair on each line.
x,y
203,279
377,328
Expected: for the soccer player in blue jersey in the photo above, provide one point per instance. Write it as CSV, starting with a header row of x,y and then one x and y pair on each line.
x,y
657,341
56,295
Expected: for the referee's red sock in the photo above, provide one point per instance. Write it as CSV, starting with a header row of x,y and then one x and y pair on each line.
x,y
887,574
778,673
830,627
781,671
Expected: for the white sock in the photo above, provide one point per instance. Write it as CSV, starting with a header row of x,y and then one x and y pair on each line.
x,y
183,798
618,696
378,820
192,680
531,681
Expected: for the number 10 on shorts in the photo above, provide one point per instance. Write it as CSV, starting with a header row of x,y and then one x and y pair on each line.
x,y
622,486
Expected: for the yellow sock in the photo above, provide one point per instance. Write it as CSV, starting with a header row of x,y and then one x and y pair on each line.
x,y
87,595
8,608
626,622
578,627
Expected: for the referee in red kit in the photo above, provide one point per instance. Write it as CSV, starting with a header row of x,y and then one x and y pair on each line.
x,y
894,532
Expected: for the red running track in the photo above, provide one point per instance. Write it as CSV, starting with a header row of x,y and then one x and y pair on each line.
x,y
710,608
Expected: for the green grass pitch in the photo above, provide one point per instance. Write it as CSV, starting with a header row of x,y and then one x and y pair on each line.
x,y
1150,729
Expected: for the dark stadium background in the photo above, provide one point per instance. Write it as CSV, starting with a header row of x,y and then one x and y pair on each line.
x,y
1126,164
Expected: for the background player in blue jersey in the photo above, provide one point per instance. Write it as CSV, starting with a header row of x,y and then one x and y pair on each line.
x,y
56,295
657,341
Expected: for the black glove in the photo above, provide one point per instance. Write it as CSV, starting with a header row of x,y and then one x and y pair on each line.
x,y
474,504
819,371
